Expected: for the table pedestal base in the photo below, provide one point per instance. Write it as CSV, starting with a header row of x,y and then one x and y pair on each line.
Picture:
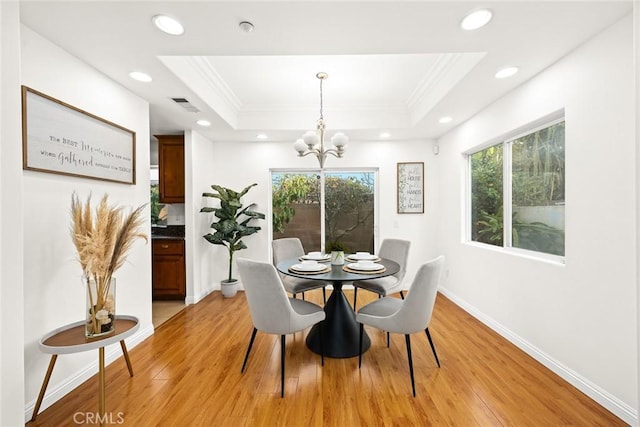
x,y
340,331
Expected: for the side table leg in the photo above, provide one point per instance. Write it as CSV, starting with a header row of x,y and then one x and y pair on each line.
x,y
126,357
45,383
101,408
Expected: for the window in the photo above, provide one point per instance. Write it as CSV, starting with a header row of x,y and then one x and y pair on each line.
x,y
517,191
325,206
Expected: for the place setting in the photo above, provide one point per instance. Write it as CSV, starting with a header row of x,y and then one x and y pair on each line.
x,y
364,267
316,256
363,256
310,267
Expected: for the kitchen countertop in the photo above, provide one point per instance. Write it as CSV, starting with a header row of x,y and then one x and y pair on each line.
x,y
160,237
168,232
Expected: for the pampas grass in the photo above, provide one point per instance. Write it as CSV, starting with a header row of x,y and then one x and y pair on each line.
x,y
103,237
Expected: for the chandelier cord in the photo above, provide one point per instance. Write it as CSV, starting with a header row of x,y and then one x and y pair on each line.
x,y
321,116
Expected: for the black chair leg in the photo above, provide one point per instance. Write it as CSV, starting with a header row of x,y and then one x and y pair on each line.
x,y
321,344
387,339
294,296
402,294
282,350
360,347
413,384
303,296
246,356
355,297
433,348
324,295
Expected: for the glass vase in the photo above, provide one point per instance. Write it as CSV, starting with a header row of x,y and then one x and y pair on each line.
x,y
100,306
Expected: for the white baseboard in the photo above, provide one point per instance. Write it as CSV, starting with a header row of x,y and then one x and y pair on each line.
x,y
112,353
595,392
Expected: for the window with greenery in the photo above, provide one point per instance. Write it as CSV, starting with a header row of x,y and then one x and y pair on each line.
x,y
325,206
517,191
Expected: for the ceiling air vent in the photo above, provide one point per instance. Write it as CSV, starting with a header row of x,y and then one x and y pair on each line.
x,y
184,103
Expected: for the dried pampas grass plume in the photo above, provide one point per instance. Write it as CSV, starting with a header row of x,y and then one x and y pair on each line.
x,y
104,236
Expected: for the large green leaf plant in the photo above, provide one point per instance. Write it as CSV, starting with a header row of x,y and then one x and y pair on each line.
x,y
232,222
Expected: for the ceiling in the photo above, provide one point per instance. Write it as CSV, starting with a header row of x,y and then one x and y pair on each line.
x,y
394,66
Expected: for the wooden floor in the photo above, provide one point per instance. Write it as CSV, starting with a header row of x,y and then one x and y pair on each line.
x,y
188,374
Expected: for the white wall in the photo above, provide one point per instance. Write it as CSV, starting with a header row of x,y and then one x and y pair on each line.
x,y
580,319
11,289
201,164
219,163
53,295
636,68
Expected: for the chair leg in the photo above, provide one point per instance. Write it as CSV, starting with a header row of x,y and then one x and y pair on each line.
x,y
360,346
355,297
402,294
413,384
282,351
294,296
246,356
303,296
433,348
324,295
387,339
321,345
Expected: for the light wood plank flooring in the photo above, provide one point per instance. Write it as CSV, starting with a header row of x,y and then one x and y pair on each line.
x,y
188,374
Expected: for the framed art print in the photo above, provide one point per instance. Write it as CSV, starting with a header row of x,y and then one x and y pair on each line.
x,y
411,187
62,139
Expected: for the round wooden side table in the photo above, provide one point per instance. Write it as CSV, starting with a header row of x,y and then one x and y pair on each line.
x,y
71,339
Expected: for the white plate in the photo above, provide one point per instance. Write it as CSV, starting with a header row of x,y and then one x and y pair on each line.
x,y
309,267
369,257
365,267
322,257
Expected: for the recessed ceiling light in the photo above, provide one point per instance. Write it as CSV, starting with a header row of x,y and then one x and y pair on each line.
x,y
445,119
261,136
385,135
246,26
506,72
140,76
168,24
476,19
203,122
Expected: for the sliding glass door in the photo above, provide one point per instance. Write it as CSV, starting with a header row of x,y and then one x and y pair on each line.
x,y
325,206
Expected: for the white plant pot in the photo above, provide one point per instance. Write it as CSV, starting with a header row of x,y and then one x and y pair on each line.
x,y
229,288
337,257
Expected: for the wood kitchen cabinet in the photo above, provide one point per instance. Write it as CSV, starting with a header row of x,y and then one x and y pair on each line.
x,y
171,168
168,269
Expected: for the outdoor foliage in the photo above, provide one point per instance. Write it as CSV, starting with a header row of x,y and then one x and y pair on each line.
x,y
289,189
348,205
486,195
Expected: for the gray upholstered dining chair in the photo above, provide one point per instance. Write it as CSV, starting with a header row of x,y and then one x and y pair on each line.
x,y
272,311
396,250
408,316
291,247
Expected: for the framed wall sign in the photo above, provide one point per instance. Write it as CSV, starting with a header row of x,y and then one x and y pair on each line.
x,y
62,139
411,187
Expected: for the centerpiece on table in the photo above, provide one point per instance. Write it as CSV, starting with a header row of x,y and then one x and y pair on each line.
x,y
337,250
103,237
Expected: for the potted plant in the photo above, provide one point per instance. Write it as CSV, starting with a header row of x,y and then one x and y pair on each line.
x,y
337,250
231,226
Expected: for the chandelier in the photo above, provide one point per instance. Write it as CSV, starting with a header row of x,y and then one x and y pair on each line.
x,y
312,142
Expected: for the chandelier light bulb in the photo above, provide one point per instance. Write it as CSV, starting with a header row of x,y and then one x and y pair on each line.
x,y
300,146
